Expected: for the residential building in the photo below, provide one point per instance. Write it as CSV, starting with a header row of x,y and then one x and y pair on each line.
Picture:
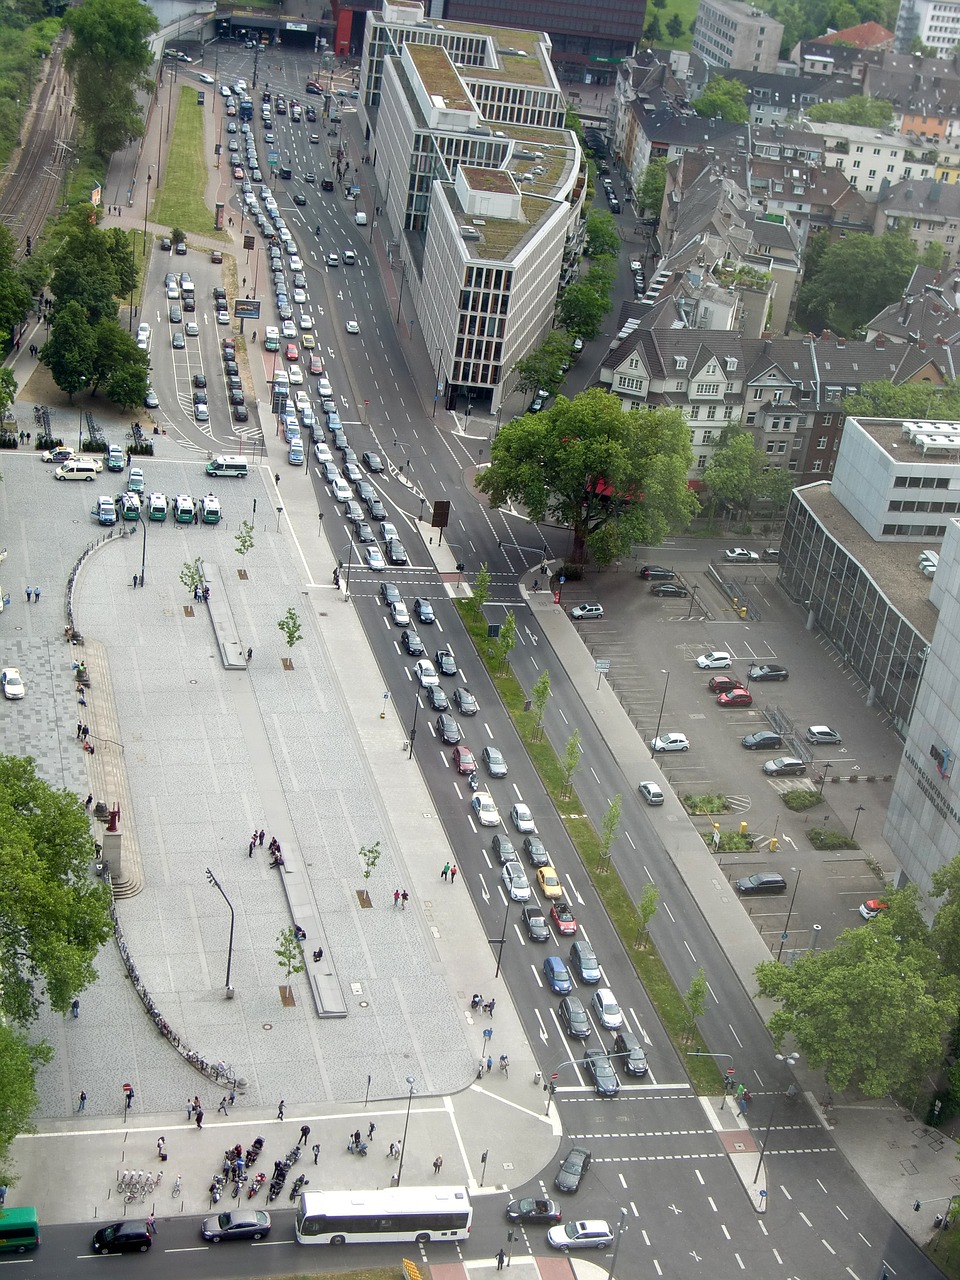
x,y
665,133
776,99
481,187
866,35
936,23
927,316
728,33
868,158
929,210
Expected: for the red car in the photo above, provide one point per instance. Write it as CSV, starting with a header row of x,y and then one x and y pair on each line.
x,y
237,172
464,759
292,352
735,698
316,365
563,917
723,684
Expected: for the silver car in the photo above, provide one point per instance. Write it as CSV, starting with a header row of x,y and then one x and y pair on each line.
x,y
515,882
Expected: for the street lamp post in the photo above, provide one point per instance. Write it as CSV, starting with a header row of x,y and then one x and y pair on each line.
x,y
406,1125
791,1061
219,887
860,809
786,927
143,554
146,209
502,939
663,703
413,727
823,776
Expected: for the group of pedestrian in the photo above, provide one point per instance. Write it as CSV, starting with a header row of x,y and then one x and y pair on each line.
x,y
33,592
195,1111
276,853
477,1003
400,899
201,594
82,731
449,869
24,436
34,350
256,841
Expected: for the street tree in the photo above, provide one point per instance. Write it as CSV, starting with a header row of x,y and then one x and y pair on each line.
x,y
696,998
244,538
120,250
854,279
128,382
734,472
118,363
85,270
538,698
19,1099
69,352
191,575
15,295
675,27
615,478
53,920
653,185
109,58
653,31
569,764
581,310
609,830
725,100
908,400
481,589
289,952
846,1007
646,910
600,277
543,367
776,485
874,113
506,641
370,856
945,932
603,239
8,391
289,624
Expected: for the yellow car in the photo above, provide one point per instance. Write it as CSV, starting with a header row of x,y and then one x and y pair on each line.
x,y
308,341
549,882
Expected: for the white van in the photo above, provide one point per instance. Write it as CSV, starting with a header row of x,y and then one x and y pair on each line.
x,y
360,219
229,465
79,469
271,338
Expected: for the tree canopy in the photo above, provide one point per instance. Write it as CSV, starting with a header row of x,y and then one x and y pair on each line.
x,y
603,239
906,400
546,365
875,113
654,184
847,282
617,478
109,59
723,98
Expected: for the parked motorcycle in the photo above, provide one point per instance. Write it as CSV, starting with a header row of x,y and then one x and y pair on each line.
x,y
256,1184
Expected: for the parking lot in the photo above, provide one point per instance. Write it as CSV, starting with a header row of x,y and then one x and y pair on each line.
x,y
652,644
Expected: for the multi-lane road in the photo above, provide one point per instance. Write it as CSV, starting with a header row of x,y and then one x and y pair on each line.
x,y
655,1152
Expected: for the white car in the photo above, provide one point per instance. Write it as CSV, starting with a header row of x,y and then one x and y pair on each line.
x,y
522,818
299,297
740,555
11,683
324,387
223,317
306,321
715,660
590,1234
586,611
321,451
487,813
606,1008
401,614
288,329
671,742
206,79
295,375
375,560
426,673
352,326
515,882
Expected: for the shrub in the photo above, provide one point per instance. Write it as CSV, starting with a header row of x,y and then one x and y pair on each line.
x,y
706,804
730,842
801,798
825,838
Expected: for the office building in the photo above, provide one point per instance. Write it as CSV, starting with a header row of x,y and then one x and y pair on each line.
x,y
728,33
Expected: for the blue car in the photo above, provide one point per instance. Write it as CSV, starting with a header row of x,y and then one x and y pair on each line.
x,y
558,980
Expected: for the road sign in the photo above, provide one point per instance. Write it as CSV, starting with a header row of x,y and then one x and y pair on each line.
x,y
562,579
602,664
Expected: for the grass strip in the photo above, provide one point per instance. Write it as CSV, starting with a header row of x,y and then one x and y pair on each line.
x,y
181,200
667,1000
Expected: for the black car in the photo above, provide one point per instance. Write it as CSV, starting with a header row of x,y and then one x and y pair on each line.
x,y
448,730
231,368
364,532
670,589
130,1236
494,762
631,1055
656,571
199,380
412,643
353,473
503,849
390,593
445,662
543,1211
601,1068
535,924
189,303
236,397
200,397
575,1165
437,698
299,198
536,851
395,552
466,702
574,1017
372,461
762,882
241,413
762,740
769,671
424,610
166,244
377,511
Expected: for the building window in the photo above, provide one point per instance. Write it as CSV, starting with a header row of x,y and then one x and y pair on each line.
x,y
702,462
822,442
758,393
817,465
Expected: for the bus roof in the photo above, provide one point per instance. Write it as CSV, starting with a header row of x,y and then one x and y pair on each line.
x,y
399,1199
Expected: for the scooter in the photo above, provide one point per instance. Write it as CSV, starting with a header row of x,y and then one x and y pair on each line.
x,y
216,1188
256,1184
474,781
253,1152
298,1186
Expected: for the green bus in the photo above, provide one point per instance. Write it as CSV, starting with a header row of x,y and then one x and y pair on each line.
x,y
19,1230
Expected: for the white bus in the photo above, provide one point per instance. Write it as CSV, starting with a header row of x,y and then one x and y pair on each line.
x,y
419,1214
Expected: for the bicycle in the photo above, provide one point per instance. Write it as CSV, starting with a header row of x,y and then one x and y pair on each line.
x,y
505,1065
177,1187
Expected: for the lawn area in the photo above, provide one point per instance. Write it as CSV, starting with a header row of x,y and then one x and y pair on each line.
x,y
180,202
686,10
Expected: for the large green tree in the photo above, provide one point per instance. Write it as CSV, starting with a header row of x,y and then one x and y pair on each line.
x,y
53,917
581,310
118,364
734,472
724,98
875,113
14,295
109,59
616,478
70,351
853,279
908,400
544,367
92,267
603,239
872,1011
653,186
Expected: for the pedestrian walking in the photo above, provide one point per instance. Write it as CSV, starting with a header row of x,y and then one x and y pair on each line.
x,y
391,1150
161,1143
316,1153
233,1096
357,1137
438,1164
79,728
151,1224
304,1134
446,871
404,898
189,1109
489,1007
223,1105
253,845
85,732
196,1104
371,1131
396,1150
501,1259
75,1008
396,898
489,1063
82,1103
129,1098
29,594
453,874
277,479
280,1111
88,802
260,836
200,1119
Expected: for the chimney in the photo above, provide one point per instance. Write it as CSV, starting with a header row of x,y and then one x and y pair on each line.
x,y
922,344
880,342
841,343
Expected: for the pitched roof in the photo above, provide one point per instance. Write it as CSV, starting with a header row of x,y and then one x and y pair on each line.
x,y
867,35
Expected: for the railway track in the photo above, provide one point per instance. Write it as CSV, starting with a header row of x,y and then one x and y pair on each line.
x,y
29,189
